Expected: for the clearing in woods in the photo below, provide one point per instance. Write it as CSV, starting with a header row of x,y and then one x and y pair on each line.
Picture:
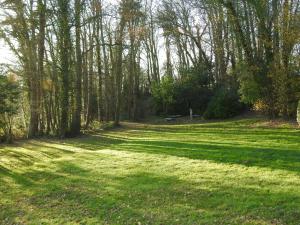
x,y
233,172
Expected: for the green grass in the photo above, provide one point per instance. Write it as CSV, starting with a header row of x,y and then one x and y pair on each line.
x,y
232,172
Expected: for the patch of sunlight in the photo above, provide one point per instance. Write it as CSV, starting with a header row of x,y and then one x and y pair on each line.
x,y
203,172
61,146
184,174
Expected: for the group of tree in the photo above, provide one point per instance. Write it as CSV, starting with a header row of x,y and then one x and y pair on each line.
x,y
244,50
86,60
9,101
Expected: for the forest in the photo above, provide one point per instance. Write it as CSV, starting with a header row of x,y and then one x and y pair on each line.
x,y
167,102
85,61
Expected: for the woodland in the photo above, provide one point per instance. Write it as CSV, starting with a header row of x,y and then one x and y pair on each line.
x,y
85,61
150,112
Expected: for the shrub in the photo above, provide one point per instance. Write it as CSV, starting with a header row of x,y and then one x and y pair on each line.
x,y
224,104
192,89
163,93
249,86
9,96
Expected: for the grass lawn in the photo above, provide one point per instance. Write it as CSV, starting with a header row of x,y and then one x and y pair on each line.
x,y
232,172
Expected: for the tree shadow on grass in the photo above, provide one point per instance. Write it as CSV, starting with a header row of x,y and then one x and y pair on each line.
x,y
78,197
18,156
96,142
71,193
266,134
51,149
285,159
29,153
259,122
220,152
15,176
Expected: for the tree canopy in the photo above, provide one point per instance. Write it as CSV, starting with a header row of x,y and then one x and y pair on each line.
x,y
86,60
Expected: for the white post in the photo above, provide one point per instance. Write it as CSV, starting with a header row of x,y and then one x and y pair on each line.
x,y
298,113
191,113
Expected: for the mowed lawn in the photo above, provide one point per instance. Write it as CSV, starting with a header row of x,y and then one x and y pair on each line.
x,y
232,172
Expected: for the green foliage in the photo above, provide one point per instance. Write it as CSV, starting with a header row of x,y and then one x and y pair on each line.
x,y
224,104
97,126
249,87
163,93
192,90
9,97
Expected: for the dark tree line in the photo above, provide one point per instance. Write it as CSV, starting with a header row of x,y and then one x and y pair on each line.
x,y
87,60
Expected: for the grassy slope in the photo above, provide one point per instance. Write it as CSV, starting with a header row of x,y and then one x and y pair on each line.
x,y
235,172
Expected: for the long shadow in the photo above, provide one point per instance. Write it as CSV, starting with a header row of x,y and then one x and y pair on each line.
x,y
222,200
223,153
269,157
74,194
147,198
28,158
95,142
15,176
9,169
293,134
229,123
260,139
273,156
50,152
23,158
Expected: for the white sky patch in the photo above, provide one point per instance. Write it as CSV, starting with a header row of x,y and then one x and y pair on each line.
x,y
6,56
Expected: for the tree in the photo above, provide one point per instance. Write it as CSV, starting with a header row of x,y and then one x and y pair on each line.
x,y
163,93
40,71
76,119
64,56
81,61
9,102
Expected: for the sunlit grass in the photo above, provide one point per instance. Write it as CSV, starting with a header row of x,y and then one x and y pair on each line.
x,y
233,172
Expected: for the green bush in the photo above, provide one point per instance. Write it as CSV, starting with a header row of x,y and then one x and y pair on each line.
x,y
192,89
163,94
249,86
9,96
224,104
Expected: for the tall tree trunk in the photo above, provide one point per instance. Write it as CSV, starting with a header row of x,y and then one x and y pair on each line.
x,y
99,62
90,108
119,70
41,51
34,80
76,119
64,52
